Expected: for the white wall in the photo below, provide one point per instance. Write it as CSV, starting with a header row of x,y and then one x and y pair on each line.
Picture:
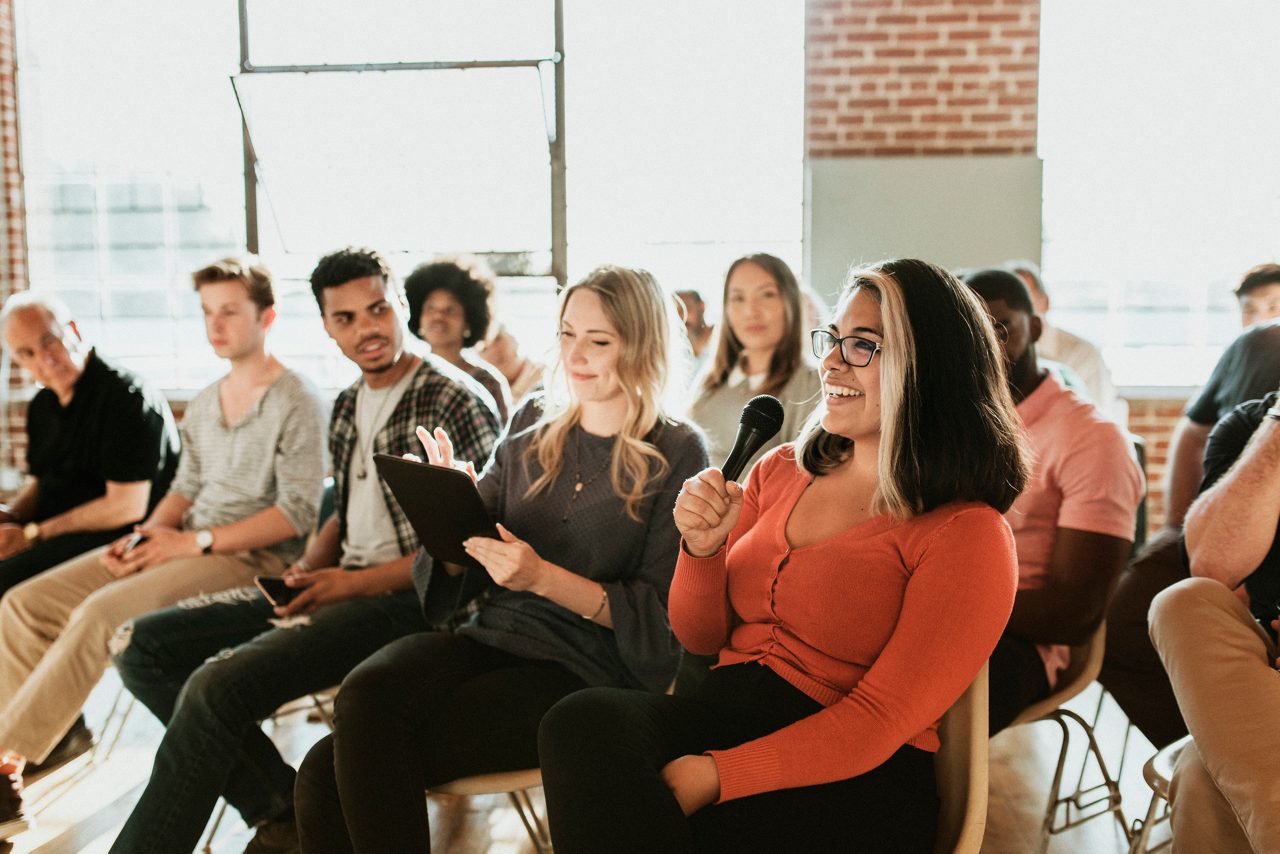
x,y
953,211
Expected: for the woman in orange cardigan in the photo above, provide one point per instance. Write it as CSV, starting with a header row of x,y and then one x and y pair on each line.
x,y
852,590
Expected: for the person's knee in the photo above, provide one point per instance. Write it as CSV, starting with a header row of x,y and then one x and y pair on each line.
x,y
577,721
375,686
1174,605
211,685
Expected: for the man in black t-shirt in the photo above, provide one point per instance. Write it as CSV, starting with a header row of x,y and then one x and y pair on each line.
x,y
102,445
1220,655
1131,670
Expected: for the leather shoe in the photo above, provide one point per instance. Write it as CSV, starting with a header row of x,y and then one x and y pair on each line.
x,y
78,740
277,836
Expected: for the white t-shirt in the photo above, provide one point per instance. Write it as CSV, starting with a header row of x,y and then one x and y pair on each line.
x,y
370,533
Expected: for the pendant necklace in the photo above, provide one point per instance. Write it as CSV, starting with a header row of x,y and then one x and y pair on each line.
x,y
364,450
580,484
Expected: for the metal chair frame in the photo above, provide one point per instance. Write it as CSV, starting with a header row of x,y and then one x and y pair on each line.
x,y
1085,803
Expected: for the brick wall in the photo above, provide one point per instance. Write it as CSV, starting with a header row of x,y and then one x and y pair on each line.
x,y
1154,421
13,246
921,77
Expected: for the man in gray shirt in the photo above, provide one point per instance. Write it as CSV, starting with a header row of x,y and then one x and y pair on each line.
x,y
246,494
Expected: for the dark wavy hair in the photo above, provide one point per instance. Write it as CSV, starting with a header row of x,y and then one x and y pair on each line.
x,y
468,279
948,428
345,265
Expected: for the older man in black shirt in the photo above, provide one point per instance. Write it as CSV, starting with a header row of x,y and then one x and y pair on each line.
x,y
101,444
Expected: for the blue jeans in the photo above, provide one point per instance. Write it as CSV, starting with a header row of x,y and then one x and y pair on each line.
x,y
211,669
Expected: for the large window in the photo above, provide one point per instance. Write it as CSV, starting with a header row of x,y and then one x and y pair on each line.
x,y
684,150
1158,129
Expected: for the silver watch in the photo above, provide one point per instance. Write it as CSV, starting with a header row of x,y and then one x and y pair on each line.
x,y
204,541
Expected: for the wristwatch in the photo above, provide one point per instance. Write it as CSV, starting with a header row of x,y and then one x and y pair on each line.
x,y
31,531
204,541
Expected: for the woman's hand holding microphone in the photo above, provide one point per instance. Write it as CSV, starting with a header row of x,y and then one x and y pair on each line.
x,y
706,511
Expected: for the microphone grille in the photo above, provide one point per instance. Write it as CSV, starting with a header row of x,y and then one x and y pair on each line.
x,y
764,413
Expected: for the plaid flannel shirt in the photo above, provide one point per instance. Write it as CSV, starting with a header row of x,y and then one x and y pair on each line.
x,y
433,399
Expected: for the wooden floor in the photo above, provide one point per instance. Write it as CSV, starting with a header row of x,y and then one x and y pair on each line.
x,y
80,807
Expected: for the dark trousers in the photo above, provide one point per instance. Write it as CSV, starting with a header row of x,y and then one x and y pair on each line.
x,y
211,669
1131,669
602,751
1017,679
425,710
47,554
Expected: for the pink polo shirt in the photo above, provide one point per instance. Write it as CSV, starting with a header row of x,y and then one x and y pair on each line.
x,y
1085,476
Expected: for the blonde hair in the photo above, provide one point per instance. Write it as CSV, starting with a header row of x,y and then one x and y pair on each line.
x,y
948,427
644,317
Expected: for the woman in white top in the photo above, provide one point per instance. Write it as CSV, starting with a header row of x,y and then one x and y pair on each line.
x,y
759,349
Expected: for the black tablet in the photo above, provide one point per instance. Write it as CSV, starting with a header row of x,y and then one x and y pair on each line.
x,y
442,504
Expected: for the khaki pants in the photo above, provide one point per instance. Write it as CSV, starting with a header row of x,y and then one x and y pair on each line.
x,y
1225,791
54,631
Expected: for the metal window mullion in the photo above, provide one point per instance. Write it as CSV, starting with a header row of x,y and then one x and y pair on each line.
x,y
556,146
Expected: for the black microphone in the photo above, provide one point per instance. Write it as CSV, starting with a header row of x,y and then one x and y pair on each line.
x,y
761,420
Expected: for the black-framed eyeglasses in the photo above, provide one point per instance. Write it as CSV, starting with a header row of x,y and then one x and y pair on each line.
x,y
855,351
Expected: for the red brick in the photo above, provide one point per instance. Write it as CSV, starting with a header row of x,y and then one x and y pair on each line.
x,y
866,103
924,68
990,118
919,36
969,68
921,135
892,119
939,52
917,102
893,151
948,18
969,35
895,20
868,70
866,36
896,52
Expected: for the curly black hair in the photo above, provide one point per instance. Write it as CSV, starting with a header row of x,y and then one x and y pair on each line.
x,y
468,279
351,262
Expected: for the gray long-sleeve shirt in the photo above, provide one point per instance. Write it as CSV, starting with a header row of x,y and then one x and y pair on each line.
x,y
274,457
633,560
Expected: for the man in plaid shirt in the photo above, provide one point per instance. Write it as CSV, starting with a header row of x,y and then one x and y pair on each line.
x,y
212,668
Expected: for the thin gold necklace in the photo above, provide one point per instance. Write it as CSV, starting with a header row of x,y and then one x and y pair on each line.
x,y
580,484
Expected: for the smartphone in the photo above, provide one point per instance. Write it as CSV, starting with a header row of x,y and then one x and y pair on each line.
x,y
274,588
130,544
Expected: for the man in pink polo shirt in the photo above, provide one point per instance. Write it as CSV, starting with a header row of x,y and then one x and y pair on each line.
x,y
1074,523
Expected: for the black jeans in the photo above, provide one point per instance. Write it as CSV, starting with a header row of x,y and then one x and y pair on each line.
x,y
425,710
210,669
1017,679
602,751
